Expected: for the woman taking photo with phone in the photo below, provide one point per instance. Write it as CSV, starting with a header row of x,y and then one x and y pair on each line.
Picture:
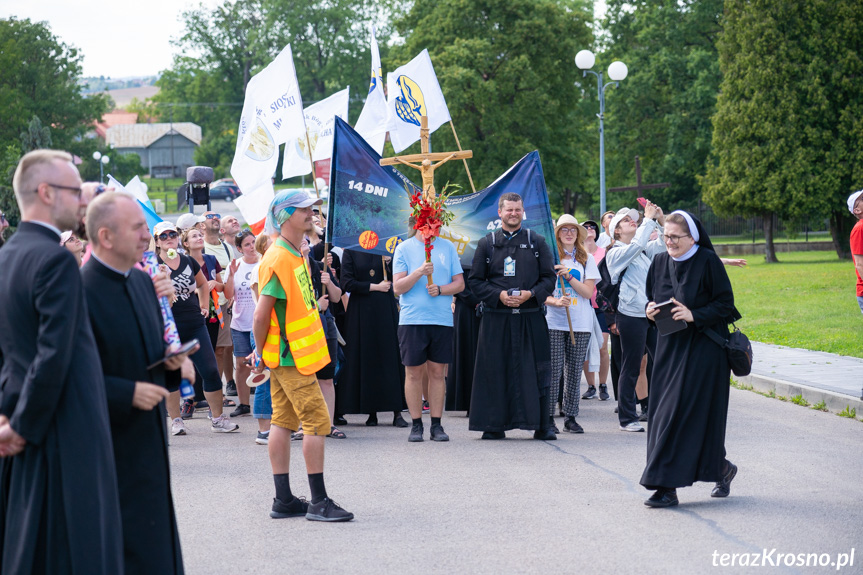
x,y
628,261
691,375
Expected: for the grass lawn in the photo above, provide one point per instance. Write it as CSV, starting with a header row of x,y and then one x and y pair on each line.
x,y
806,301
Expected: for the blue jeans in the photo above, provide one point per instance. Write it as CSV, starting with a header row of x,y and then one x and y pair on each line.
x,y
860,302
262,406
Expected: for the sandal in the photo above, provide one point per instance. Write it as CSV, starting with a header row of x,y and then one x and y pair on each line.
x,y
228,402
336,433
297,435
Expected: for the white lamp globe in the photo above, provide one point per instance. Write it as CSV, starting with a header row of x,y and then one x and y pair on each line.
x,y
105,160
97,155
585,60
617,71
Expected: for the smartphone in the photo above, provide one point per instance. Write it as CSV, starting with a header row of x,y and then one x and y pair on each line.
x,y
642,201
513,291
185,348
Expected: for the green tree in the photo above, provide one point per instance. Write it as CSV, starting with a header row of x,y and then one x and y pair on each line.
x,y
788,129
506,71
40,78
662,111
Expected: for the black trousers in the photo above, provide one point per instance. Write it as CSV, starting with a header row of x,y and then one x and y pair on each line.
x,y
614,363
636,338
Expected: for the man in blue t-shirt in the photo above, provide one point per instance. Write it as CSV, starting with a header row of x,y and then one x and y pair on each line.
x,y
425,324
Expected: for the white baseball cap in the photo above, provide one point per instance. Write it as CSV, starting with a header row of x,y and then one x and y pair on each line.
x,y
621,213
852,199
188,220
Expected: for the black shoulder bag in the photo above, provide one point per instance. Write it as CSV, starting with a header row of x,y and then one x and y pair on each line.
x,y
738,349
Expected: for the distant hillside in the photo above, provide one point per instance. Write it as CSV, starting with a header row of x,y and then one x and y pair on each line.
x,y
123,97
94,84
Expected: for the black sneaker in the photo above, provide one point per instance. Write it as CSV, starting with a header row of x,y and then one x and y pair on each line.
x,y
663,498
340,420
242,409
552,425
231,388
327,510
425,407
188,409
416,433
572,426
296,507
603,392
494,435
590,393
438,434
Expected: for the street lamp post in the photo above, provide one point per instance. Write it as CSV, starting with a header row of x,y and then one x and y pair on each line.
x,y
103,161
616,71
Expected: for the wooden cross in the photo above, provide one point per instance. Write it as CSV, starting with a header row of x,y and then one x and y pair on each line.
x,y
426,167
639,187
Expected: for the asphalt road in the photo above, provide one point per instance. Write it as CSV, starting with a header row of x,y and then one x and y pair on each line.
x,y
523,506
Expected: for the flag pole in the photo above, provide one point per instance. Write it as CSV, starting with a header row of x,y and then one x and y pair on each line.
x,y
568,318
312,162
469,177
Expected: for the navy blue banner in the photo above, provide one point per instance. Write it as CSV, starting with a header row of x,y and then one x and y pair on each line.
x,y
370,207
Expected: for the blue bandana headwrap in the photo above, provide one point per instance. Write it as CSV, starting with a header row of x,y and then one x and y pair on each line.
x,y
281,208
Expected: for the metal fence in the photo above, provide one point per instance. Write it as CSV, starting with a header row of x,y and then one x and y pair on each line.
x,y
752,228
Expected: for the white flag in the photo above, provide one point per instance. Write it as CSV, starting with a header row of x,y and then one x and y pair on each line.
x,y
413,92
253,205
374,121
272,115
320,122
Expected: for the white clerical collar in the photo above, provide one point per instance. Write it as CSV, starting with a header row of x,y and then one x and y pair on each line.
x,y
687,255
54,229
113,269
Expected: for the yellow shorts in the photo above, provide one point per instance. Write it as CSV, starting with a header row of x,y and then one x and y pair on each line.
x,y
297,398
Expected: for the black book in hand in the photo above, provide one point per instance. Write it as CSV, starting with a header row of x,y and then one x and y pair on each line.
x,y
664,322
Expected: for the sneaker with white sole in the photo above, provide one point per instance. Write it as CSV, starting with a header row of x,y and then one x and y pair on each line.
x,y
178,427
263,438
633,426
223,424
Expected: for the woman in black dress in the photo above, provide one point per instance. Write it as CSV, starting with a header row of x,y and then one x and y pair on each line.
x,y
373,376
691,375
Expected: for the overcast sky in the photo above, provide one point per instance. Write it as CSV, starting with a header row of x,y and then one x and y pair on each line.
x,y
120,38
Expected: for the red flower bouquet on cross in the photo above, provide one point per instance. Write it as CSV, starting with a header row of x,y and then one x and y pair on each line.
x,y
430,213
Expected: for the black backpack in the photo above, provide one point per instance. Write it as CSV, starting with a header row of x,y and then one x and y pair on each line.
x,y
607,293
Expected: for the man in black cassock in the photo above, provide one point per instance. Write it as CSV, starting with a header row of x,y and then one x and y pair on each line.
x,y
513,358
128,326
59,509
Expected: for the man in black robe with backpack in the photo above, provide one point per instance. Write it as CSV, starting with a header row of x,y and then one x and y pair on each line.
x,y
512,274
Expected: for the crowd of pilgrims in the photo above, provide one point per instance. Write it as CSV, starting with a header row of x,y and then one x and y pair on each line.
x,y
213,263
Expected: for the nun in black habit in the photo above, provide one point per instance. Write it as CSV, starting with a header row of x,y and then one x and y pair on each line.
x,y
691,375
373,377
459,379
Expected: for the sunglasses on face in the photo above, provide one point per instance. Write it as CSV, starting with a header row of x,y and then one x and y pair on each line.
x,y
168,236
213,217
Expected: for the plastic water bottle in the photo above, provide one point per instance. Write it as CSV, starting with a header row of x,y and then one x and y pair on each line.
x,y
187,390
